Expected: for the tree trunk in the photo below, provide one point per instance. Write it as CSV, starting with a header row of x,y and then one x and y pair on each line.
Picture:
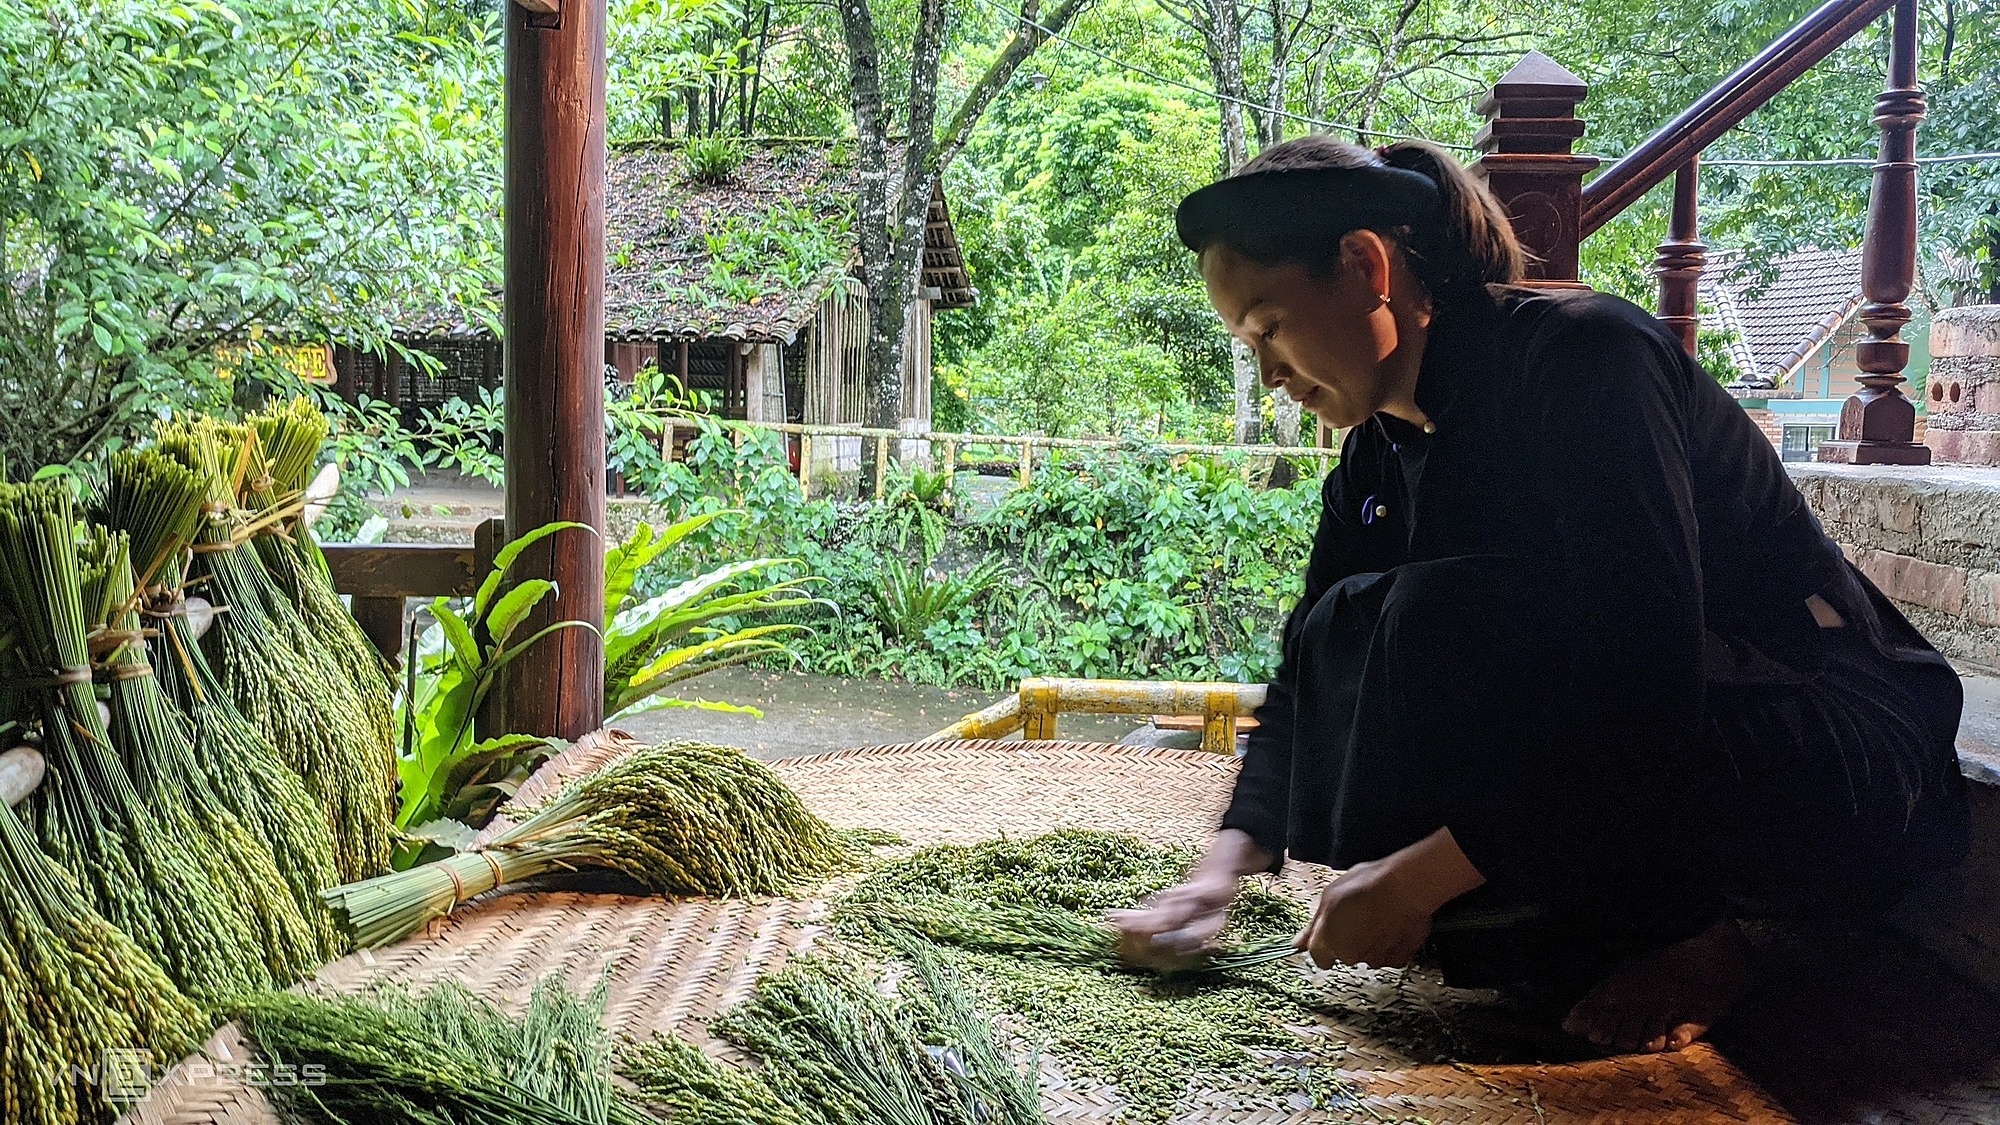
x,y
892,213
1225,64
1248,383
1285,421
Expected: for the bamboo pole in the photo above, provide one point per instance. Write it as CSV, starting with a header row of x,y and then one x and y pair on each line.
x,y
881,466
1035,442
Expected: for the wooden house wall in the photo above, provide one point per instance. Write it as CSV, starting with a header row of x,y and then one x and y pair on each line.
x,y
835,389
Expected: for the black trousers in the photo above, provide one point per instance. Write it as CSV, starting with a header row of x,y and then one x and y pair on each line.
x,y
1448,693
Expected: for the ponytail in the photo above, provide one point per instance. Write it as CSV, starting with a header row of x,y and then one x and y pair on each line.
x,y
1477,246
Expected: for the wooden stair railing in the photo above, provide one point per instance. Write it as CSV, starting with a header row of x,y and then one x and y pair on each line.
x,y
1528,157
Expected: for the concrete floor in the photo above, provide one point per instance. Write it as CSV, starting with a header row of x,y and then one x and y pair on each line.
x,y
807,714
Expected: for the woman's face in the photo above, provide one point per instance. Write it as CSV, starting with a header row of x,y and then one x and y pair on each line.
x,y
1322,340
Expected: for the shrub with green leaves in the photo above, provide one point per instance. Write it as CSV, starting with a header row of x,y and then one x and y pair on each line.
x,y
1133,565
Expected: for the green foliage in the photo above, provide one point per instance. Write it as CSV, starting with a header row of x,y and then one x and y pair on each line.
x,y
907,600
689,630
1712,346
1135,566
178,179
448,776
661,50
712,160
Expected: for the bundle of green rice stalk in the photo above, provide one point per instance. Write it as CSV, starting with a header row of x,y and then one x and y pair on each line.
x,y
157,503
275,668
288,444
838,1049
89,818
75,994
442,1057
684,818
254,906
674,1078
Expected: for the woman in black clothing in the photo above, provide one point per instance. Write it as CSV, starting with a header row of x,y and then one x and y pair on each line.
x,y
1577,679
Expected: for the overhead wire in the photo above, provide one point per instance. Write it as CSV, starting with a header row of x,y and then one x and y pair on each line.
x,y
1216,94
1259,107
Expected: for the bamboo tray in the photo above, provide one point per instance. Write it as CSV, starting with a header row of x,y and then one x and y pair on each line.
x,y
675,964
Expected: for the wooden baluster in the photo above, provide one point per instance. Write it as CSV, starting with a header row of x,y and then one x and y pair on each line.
x,y
1681,258
1528,160
1878,425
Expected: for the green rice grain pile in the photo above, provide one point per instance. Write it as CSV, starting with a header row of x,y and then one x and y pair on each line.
x,y
1020,921
288,445
74,992
441,1057
137,865
159,754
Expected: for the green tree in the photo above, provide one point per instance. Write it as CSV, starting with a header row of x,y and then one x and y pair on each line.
x,y
174,178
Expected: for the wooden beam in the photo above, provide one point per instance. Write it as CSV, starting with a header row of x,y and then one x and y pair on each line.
x,y
401,570
542,7
554,319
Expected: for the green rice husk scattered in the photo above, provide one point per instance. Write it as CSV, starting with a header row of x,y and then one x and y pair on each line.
x,y
157,502
75,991
440,1057
275,668
1020,921
145,874
250,904
684,818
842,1052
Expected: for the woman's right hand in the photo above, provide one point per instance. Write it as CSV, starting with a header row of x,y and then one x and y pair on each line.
x,y
1176,928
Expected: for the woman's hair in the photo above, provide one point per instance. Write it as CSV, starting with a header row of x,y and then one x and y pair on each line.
x,y
1476,247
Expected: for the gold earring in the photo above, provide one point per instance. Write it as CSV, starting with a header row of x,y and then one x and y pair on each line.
x,y
1385,302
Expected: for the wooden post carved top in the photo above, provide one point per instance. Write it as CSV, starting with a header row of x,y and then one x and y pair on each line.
x,y
1527,154
1878,425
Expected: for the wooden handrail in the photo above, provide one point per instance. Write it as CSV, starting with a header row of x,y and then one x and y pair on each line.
x,y
1724,107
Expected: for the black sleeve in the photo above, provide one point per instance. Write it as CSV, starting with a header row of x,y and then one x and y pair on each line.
x,y
1262,800
1612,474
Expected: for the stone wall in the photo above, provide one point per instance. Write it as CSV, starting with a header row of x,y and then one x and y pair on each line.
x,y
1929,537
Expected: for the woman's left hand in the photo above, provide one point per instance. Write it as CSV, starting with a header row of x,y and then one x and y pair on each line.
x,y
1366,918
1379,913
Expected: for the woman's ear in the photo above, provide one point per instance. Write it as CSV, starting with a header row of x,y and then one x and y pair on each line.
x,y
1366,256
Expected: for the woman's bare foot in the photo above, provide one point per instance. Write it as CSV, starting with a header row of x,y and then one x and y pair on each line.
x,y
1667,999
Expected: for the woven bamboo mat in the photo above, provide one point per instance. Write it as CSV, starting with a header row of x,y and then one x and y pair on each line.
x,y
675,964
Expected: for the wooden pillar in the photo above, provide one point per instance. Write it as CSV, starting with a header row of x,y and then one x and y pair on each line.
x,y
1681,258
554,318
1878,425
382,620
1527,156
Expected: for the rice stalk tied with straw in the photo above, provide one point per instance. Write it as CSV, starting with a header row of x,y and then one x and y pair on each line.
x,y
284,456
74,992
250,902
87,814
275,668
684,818
156,502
